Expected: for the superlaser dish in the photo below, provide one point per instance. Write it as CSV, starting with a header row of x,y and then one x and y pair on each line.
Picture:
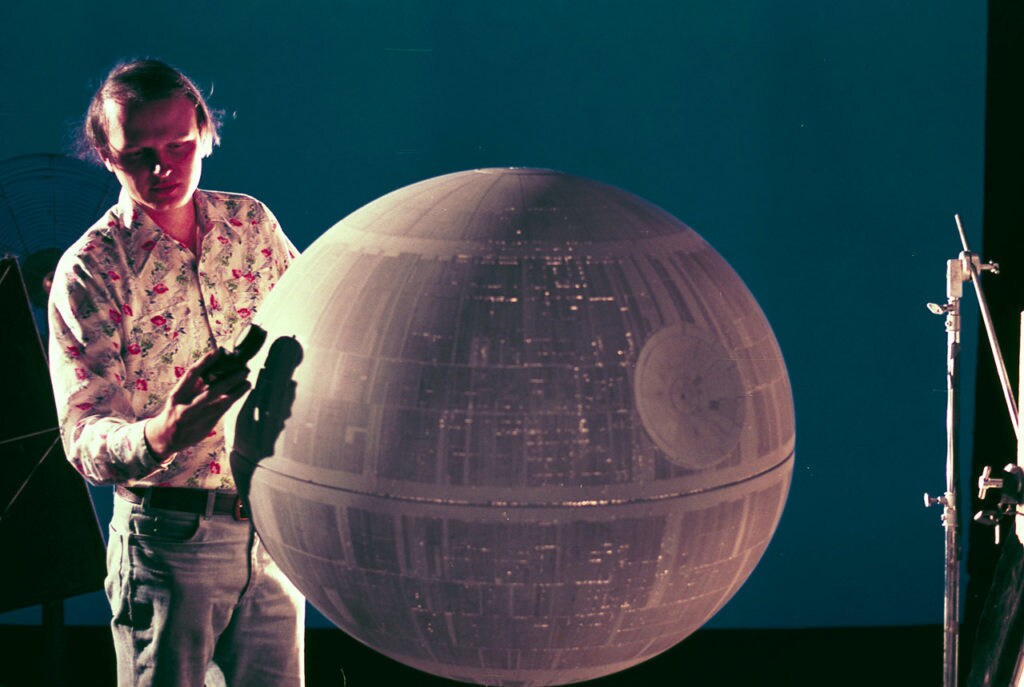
x,y
515,427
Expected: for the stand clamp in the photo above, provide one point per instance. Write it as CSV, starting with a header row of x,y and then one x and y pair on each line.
x,y
1011,486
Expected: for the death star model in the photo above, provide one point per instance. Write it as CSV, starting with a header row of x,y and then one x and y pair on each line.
x,y
515,427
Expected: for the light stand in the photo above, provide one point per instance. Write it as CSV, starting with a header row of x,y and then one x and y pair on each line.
x,y
967,267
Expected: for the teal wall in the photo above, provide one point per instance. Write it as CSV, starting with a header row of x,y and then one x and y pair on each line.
x,y
822,148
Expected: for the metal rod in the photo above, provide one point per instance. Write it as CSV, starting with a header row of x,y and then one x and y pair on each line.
x,y
21,487
969,261
950,516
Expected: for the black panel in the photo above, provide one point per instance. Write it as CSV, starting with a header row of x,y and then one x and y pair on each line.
x,y
49,535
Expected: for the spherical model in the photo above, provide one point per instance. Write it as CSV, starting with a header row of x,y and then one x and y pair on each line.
x,y
515,427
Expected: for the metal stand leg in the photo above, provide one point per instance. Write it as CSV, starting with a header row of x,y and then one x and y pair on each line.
x,y
967,267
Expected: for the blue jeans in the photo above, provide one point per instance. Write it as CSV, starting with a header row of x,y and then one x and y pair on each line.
x,y
187,590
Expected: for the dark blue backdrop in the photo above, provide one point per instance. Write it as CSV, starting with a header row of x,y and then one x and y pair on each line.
x,y
822,148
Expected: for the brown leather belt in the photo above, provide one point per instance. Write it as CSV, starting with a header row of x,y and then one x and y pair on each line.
x,y
187,500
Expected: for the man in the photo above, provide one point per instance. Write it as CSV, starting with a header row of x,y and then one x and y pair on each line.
x,y
139,310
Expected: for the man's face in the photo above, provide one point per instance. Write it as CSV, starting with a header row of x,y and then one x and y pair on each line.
x,y
156,152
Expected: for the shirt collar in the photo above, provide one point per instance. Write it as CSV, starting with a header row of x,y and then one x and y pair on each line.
x,y
142,234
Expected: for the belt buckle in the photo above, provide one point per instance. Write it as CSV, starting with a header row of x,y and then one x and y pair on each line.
x,y
240,513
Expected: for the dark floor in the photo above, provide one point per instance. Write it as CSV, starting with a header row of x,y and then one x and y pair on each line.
x,y
873,657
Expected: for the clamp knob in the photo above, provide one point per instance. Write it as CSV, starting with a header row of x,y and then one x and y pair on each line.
x,y
989,518
986,482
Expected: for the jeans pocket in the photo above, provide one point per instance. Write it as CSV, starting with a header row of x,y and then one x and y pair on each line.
x,y
113,583
164,525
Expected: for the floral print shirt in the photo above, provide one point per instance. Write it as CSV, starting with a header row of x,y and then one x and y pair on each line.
x,y
130,310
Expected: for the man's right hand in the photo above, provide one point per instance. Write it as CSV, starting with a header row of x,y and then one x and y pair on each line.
x,y
193,408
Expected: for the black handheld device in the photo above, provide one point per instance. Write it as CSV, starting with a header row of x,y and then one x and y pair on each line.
x,y
247,343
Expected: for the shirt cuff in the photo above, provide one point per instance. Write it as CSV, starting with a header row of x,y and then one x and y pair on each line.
x,y
148,463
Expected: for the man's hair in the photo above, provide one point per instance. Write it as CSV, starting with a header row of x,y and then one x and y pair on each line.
x,y
135,83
